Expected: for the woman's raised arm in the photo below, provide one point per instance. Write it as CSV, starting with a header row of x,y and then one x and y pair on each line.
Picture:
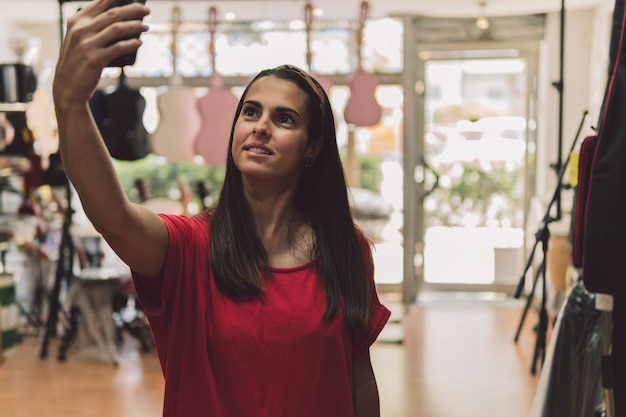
x,y
136,234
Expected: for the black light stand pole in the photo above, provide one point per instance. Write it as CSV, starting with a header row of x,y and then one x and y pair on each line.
x,y
64,268
559,86
542,327
543,236
558,166
65,261
543,233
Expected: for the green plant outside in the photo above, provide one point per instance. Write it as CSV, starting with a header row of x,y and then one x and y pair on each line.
x,y
161,177
486,193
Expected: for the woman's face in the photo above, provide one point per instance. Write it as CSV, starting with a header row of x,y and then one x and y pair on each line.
x,y
270,139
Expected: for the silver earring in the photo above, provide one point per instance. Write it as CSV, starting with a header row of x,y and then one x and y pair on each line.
x,y
308,161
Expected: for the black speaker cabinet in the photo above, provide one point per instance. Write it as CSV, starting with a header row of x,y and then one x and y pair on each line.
x,y
18,83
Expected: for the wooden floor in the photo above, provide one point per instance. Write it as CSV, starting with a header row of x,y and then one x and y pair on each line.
x,y
440,358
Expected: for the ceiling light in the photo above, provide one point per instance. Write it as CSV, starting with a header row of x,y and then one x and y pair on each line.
x,y
482,22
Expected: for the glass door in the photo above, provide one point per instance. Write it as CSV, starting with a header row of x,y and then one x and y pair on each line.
x,y
477,138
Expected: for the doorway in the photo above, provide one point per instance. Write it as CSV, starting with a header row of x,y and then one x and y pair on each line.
x,y
474,155
458,233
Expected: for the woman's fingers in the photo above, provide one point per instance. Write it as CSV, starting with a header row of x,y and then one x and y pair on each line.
x,y
95,36
99,30
131,12
117,39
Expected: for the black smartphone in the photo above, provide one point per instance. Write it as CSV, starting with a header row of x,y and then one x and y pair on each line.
x,y
127,59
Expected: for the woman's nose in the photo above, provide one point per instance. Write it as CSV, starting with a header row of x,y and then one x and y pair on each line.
x,y
261,128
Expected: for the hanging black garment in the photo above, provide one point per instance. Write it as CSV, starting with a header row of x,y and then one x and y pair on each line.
x,y
604,246
579,210
603,221
118,116
574,388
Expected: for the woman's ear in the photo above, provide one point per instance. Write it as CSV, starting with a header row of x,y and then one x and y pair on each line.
x,y
315,147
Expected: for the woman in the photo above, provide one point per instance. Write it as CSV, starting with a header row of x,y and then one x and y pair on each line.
x,y
266,305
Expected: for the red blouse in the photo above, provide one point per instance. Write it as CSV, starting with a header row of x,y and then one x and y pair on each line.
x,y
269,356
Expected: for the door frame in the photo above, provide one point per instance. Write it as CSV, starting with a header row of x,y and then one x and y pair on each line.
x,y
413,81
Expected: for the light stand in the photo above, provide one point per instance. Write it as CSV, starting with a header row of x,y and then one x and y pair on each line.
x,y
64,268
542,235
65,262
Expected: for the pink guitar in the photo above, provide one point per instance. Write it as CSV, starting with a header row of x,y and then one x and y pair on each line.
x,y
179,124
217,110
325,82
362,109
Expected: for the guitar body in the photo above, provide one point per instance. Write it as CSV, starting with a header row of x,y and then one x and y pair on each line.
x,y
120,120
362,109
7,132
217,111
33,178
40,115
18,145
175,135
325,82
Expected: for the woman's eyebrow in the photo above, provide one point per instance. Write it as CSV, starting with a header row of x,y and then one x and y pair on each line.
x,y
253,102
279,109
282,109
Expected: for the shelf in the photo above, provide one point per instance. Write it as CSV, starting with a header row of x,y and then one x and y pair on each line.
x,y
13,107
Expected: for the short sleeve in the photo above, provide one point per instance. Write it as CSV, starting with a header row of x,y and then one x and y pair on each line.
x,y
379,314
183,252
171,298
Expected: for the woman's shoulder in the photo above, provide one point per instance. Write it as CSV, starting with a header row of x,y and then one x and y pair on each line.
x,y
200,223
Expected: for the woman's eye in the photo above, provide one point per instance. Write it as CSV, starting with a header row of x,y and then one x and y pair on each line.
x,y
249,112
285,119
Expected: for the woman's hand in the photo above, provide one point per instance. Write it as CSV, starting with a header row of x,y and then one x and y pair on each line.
x,y
95,36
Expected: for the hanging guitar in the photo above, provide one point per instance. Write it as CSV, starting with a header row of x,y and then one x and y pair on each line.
x,y
119,117
217,110
41,118
179,122
34,177
325,82
362,108
7,131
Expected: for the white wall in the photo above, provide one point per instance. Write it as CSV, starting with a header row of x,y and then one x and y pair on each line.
x,y
587,33
6,29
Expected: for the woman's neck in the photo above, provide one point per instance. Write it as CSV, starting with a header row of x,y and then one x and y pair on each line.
x,y
285,234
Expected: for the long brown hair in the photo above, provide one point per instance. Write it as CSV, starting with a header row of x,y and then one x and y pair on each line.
x,y
238,257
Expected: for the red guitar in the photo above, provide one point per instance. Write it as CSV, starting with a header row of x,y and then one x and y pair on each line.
x,y
217,110
362,109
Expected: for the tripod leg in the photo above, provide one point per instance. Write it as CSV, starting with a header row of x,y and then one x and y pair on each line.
x,y
540,344
542,327
40,290
63,270
31,318
529,301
